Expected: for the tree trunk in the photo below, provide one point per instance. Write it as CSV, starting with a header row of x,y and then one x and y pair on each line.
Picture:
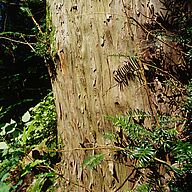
x,y
93,39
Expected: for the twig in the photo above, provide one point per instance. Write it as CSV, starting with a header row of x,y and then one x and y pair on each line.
x,y
188,45
38,26
151,105
28,43
149,32
136,182
115,85
125,180
165,72
128,21
15,34
69,180
33,19
86,149
5,22
165,163
16,41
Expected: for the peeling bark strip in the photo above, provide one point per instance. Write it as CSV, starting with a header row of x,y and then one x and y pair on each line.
x,y
92,40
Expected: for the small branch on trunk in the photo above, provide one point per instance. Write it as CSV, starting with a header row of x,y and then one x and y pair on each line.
x,y
20,42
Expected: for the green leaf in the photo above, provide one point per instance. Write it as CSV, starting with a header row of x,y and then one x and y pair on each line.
x,y
27,10
36,185
5,176
36,162
24,136
26,117
183,152
3,145
31,165
4,187
50,174
8,128
143,154
110,136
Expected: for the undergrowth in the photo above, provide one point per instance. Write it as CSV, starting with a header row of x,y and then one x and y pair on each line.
x,y
24,162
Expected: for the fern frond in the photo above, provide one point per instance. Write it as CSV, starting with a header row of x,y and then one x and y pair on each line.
x,y
143,155
130,125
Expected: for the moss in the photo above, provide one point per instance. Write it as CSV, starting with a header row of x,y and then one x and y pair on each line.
x,y
50,31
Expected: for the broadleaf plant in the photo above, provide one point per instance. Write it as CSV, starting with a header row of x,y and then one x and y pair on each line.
x,y
21,154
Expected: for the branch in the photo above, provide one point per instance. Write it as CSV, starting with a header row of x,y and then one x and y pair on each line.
x,y
165,72
165,163
125,181
38,26
128,21
16,41
15,34
28,43
136,183
86,149
149,32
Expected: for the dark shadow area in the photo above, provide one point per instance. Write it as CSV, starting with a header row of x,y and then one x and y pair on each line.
x,y
24,78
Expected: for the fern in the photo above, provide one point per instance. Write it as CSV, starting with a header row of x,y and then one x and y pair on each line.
x,y
132,124
143,155
146,149
183,152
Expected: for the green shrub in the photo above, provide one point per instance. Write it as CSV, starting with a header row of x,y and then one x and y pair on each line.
x,y
157,154
22,152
